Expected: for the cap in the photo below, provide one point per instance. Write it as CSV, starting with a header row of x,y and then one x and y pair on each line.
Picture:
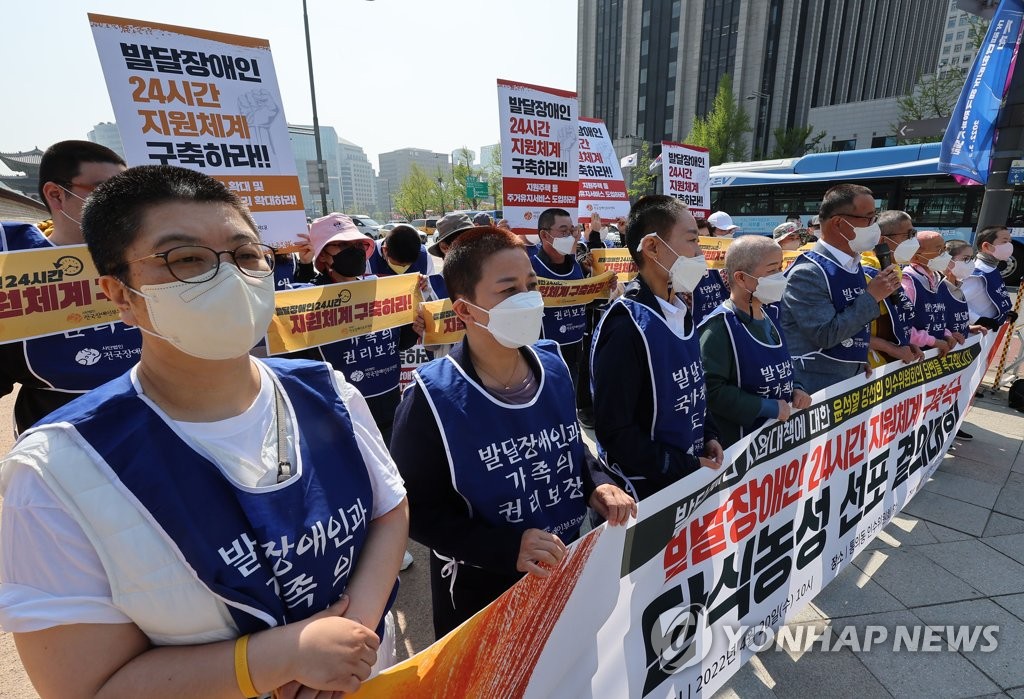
x,y
785,229
722,220
336,228
482,219
448,229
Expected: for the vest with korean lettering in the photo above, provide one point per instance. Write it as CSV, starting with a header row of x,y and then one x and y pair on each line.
x,y
249,546
518,465
371,362
995,287
284,270
437,286
677,373
709,295
899,309
929,307
957,313
78,360
379,264
844,286
563,324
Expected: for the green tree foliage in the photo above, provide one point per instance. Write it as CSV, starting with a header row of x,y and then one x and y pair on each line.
x,y
418,194
494,182
723,130
641,179
933,96
794,142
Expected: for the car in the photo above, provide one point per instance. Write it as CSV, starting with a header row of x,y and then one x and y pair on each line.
x,y
426,227
367,225
390,225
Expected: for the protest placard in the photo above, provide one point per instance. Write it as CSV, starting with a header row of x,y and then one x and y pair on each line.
x,y
441,325
602,189
616,260
714,250
575,292
685,173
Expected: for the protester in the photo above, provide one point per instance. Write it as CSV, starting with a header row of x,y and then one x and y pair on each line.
x,y
814,227
961,268
922,280
595,240
400,252
56,369
224,505
794,218
482,219
985,291
713,289
448,229
788,235
488,442
648,382
747,367
890,332
721,225
825,312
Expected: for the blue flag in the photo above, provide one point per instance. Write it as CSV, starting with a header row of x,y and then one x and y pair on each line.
x,y
970,137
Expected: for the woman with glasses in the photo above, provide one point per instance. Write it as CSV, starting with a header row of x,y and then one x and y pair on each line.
x,y
208,524
961,266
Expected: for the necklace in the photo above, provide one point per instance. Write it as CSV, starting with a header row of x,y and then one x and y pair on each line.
x,y
508,382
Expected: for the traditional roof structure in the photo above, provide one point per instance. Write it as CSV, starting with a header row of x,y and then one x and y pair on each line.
x,y
15,206
25,161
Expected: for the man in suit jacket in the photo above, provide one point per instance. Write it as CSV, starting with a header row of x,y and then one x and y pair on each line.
x,y
825,313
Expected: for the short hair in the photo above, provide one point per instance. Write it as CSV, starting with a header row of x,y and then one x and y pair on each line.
x,y
651,214
790,217
988,235
702,223
548,216
62,162
954,246
464,261
403,244
114,212
746,253
840,197
890,219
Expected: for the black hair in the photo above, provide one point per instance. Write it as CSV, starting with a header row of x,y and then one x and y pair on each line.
x,y
464,261
548,216
403,244
62,162
840,197
988,235
655,213
114,212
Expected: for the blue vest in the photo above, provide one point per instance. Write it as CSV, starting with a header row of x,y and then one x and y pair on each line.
x,y
15,235
371,362
957,314
709,295
438,286
901,311
929,308
996,289
273,555
566,324
379,264
844,287
680,395
284,270
515,466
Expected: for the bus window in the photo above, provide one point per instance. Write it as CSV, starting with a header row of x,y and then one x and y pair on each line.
x,y
936,203
738,202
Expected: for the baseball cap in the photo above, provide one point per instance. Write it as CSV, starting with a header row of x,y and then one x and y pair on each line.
x,y
336,228
722,220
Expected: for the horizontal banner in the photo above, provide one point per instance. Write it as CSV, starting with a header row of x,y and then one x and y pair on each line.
x,y
577,292
617,260
441,325
47,291
316,316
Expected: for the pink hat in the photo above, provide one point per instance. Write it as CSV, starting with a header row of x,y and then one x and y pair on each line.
x,y
336,228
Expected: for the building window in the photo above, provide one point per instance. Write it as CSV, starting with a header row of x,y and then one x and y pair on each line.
x,y
945,50
668,127
949,36
956,49
951,23
963,20
845,144
883,141
959,35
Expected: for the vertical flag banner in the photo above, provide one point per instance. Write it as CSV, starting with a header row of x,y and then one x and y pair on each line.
x,y
539,152
602,189
970,137
207,101
685,173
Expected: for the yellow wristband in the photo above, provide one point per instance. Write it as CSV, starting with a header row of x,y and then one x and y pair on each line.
x,y
242,676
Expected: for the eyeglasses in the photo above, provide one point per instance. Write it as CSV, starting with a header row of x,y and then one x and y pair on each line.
x,y
561,231
87,187
870,219
194,264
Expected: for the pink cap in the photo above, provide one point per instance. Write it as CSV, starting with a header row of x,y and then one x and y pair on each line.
x,y
336,228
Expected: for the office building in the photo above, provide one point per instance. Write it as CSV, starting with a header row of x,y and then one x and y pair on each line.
x,y
395,166
358,180
106,134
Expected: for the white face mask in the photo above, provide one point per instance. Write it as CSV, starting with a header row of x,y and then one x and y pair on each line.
x,y
222,318
566,245
963,269
686,272
532,240
940,263
864,238
905,251
517,321
1003,251
769,289
64,213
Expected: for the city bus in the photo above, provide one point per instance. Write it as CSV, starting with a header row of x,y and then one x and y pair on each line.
x,y
759,195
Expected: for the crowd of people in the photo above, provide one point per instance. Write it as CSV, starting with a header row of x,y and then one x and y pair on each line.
x,y
198,519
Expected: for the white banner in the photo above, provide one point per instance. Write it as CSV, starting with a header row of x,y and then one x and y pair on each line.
x,y
539,152
207,101
602,189
685,172
676,603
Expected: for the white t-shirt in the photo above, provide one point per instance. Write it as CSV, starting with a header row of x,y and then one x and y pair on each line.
x,y
975,291
50,574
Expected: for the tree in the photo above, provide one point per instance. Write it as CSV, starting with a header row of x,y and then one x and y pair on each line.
x,y
642,180
794,142
723,129
494,181
933,96
418,194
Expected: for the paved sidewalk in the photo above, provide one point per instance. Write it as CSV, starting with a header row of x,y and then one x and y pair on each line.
x,y
954,556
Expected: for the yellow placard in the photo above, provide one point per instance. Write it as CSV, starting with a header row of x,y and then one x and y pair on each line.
x,y
616,260
441,325
714,250
577,292
48,291
315,316
788,256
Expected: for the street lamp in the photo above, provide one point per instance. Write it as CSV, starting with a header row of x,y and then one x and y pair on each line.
x,y
760,144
